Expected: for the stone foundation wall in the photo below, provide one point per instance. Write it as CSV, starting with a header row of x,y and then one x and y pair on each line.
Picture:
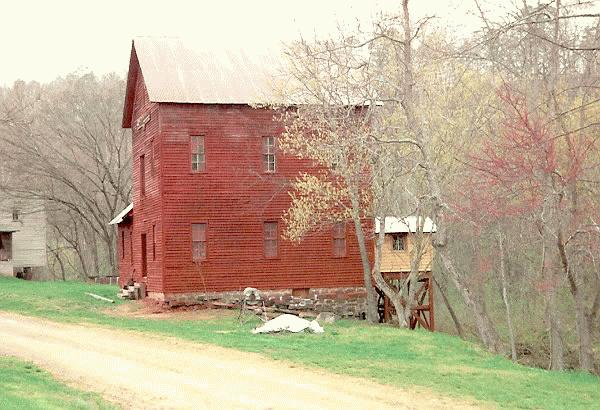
x,y
344,302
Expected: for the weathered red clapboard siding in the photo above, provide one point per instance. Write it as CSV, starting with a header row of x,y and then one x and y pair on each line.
x,y
147,210
233,196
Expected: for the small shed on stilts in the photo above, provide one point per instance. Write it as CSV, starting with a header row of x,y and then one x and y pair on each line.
x,y
404,237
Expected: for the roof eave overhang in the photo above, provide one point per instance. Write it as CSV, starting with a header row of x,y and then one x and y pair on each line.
x,y
132,74
126,213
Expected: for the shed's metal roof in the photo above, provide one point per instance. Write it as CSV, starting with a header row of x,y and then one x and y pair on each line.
x,y
406,224
7,229
119,218
181,71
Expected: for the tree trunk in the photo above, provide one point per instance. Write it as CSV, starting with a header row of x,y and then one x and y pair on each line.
x,y
553,323
485,328
457,325
94,251
584,334
415,262
56,254
372,316
595,305
410,103
394,295
557,361
586,352
511,332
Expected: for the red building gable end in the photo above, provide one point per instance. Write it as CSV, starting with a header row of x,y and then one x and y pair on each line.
x,y
207,199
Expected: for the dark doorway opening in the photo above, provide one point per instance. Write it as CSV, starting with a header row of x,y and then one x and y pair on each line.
x,y
144,257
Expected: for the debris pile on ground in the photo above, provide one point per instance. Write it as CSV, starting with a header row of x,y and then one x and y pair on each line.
x,y
133,291
326,317
289,323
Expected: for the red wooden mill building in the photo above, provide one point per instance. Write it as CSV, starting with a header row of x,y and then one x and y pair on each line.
x,y
210,188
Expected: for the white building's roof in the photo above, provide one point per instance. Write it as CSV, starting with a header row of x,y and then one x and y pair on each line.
x,y
406,224
119,218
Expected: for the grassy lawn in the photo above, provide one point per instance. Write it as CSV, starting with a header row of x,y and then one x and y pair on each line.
x,y
435,361
24,386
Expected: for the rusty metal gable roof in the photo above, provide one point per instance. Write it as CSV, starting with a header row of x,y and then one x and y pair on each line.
x,y
176,71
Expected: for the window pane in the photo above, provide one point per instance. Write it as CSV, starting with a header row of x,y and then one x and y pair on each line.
x,y
270,248
270,239
269,154
398,243
339,247
198,232
143,175
194,142
270,230
197,152
339,239
198,250
198,242
339,230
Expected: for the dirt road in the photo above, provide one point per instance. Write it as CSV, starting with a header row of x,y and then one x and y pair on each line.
x,y
146,372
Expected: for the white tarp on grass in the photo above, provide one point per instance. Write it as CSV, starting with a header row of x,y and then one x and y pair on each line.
x,y
289,323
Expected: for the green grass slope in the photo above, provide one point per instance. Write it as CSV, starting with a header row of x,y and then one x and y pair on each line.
x,y
25,386
436,361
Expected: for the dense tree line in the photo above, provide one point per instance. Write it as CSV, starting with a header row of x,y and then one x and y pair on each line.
x,y
494,136
62,143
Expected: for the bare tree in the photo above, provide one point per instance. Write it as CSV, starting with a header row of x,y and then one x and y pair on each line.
x,y
549,53
63,144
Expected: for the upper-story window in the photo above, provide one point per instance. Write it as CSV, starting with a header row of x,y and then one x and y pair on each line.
x,y
268,150
399,243
339,239
16,214
197,153
143,175
153,154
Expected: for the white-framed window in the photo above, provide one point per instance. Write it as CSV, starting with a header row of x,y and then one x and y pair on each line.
x,y
198,155
268,152
399,242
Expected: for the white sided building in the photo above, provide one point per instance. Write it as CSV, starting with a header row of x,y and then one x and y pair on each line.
x,y
22,239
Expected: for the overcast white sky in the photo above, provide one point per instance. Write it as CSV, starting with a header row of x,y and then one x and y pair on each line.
x,y
43,39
